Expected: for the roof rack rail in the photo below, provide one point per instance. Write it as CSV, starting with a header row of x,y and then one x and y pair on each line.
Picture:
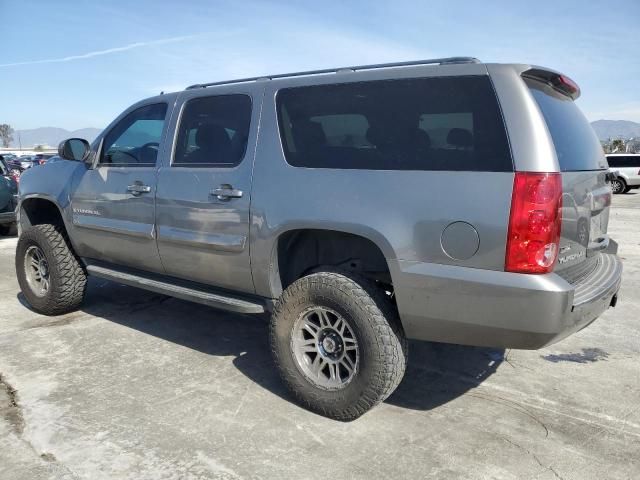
x,y
434,61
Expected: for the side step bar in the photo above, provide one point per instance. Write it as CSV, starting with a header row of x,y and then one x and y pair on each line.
x,y
216,300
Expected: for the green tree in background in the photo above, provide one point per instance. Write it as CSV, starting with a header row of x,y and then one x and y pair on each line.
x,y
617,145
6,134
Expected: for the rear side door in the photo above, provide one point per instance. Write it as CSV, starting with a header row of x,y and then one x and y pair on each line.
x,y
113,202
586,195
204,190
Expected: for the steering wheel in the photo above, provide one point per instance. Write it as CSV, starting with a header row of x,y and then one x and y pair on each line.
x,y
148,152
155,145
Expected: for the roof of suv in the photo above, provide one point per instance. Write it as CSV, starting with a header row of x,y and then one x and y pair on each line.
x,y
433,61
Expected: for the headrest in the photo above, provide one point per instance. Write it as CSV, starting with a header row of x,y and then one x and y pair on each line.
x,y
379,136
212,136
422,139
460,137
308,134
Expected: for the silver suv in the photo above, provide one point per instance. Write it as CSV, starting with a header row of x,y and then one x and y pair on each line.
x,y
444,200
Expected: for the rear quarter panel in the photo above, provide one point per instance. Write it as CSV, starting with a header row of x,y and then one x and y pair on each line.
x,y
403,212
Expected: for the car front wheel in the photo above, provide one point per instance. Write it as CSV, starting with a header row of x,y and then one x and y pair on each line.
x,y
50,275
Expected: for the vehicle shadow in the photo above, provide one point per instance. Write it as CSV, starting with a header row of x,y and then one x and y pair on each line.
x,y
437,373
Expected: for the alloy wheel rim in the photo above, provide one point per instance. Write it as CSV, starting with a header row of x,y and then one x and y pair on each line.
x,y
617,186
325,348
37,271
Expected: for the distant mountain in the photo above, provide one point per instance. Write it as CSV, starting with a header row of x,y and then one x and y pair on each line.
x,y
51,136
606,129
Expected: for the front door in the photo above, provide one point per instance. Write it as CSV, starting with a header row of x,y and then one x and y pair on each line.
x,y
113,203
204,190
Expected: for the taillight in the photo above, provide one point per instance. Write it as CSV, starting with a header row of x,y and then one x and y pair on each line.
x,y
534,222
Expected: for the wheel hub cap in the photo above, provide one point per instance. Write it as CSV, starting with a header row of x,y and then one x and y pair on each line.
x,y
325,348
37,270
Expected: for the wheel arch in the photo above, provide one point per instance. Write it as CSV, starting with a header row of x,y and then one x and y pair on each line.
x,y
38,209
301,249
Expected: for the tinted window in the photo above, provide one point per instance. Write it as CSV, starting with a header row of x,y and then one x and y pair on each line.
x,y
213,131
617,162
444,123
135,139
634,160
577,145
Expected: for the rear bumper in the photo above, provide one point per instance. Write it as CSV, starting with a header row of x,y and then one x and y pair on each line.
x,y
500,309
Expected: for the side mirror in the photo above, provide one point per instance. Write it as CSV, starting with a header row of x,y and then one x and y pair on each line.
x,y
76,149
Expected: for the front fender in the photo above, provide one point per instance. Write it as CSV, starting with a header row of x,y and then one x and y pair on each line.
x,y
52,182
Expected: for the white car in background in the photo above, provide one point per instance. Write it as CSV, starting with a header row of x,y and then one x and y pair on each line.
x,y
626,167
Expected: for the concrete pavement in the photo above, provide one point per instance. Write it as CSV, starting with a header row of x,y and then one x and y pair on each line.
x,y
141,386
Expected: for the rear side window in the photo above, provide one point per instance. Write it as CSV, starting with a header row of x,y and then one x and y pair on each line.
x,y
622,162
576,144
213,131
442,123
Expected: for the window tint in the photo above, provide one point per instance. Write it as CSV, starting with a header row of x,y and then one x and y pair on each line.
x,y
617,162
213,131
135,140
577,145
443,123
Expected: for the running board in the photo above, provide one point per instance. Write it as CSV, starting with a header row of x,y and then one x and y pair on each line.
x,y
216,300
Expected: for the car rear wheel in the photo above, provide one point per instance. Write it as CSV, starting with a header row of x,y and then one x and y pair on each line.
x,y
50,275
338,344
618,185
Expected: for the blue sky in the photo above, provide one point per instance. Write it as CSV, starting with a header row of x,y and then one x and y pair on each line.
x,y
75,64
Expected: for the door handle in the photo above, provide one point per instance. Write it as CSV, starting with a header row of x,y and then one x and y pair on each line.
x,y
138,188
225,192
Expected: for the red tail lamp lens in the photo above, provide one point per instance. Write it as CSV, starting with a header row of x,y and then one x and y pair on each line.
x,y
534,222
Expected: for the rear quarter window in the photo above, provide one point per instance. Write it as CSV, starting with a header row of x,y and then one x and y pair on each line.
x,y
577,146
441,123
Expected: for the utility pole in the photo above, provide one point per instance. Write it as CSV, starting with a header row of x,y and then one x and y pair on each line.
x,y
19,140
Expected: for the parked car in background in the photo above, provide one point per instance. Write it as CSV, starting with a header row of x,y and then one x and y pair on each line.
x,y
418,200
27,161
15,166
41,158
626,167
53,159
8,198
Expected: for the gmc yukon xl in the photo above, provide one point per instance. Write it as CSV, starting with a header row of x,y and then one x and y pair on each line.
x,y
444,200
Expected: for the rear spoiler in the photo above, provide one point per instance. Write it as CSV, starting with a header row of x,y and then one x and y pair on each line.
x,y
558,81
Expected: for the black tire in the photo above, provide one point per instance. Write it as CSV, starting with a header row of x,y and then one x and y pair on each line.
x,y
375,324
67,278
626,189
618,185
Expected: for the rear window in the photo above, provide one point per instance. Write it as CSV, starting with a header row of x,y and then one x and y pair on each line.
x,y
576,144
443,123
